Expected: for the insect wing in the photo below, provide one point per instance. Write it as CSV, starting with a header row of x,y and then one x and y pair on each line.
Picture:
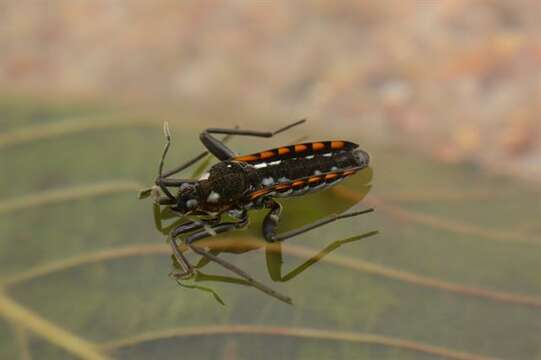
x,y
297,150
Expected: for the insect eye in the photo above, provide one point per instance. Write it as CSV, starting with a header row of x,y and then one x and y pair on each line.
x,y
186,188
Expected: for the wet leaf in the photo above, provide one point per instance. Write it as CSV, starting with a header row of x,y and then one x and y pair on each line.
x,y
446,267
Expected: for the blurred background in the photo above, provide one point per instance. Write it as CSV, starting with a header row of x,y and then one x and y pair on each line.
x,y
457,79
445,95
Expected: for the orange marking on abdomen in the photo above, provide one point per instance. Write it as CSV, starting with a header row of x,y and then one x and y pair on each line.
x,y
297,183
283,151
314,179
266,155
318,146
349,172
258,193
330,176
337,145
282,186
246,158
300,148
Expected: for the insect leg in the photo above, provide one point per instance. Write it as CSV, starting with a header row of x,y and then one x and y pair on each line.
x,y
188,163
222,152
270,223
161,215
220,228
165,200
186,267
242,274
192,225
161,180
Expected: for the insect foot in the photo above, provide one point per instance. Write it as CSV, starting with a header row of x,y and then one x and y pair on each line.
x,y
181,275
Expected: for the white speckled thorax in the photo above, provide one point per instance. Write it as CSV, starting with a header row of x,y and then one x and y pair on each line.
x,y
213,197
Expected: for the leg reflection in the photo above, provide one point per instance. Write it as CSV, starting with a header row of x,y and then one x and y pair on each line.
x,y
274,259
273,253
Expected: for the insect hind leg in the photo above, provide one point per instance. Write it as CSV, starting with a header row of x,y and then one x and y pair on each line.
x,y
222,152
270,223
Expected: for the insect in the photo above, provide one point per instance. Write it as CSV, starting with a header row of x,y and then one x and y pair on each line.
x,y
239,183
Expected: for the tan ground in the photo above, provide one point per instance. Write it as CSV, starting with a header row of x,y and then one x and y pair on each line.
x,y
458,79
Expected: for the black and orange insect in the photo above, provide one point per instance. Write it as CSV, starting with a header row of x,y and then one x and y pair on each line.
x,y
238,183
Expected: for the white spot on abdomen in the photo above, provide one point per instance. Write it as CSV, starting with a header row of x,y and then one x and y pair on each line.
x,y
301,190
334,182
268,181
285,193
317,187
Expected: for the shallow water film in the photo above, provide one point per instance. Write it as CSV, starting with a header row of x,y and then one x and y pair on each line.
x,y
447,266
444,95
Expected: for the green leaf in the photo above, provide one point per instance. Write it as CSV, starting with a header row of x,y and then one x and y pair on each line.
x,y
446,267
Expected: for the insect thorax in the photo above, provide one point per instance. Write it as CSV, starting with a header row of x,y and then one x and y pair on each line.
x,y
228,182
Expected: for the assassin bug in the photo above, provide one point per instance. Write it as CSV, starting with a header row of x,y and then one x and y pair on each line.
x,y
238,183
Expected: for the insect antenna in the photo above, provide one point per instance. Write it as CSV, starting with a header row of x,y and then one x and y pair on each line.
x,y
166,148
289,126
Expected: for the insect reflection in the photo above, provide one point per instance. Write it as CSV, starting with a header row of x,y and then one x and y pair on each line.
x,y
273,256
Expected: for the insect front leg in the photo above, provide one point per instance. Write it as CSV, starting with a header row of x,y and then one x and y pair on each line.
x,y
222,152
270,223
163,180
211,231
192,225
193,161
161,215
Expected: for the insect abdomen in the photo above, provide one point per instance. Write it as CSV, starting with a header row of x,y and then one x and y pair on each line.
x,y
298,176
293,169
